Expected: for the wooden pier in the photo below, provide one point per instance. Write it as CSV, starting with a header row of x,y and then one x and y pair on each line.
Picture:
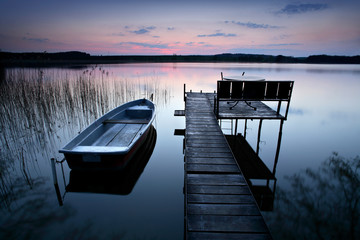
x,y
218,200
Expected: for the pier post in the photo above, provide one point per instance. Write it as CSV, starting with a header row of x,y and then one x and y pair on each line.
x,y
278,146
258,140
245,128
184,92
56,185
236,126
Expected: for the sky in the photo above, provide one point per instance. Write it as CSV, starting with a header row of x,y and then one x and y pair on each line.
x,y
182,27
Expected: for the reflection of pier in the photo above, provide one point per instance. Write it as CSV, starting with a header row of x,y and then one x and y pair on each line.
x,y
218,201
253,169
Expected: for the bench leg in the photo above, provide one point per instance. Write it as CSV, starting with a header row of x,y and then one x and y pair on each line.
x,y
249,104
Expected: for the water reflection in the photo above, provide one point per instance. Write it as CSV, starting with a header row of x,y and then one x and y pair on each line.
x,y
33,212
156,203
261,180
321,204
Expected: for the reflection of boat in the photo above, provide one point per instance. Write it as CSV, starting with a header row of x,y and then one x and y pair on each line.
x,y
113,139
114,182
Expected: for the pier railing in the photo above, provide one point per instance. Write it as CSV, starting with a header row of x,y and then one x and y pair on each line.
x,y
247,91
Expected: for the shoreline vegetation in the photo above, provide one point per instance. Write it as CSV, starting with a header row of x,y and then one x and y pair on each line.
x,y
73,58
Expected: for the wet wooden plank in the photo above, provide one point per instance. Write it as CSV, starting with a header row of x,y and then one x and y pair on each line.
x,y
203,128
228,236
230,199
205,138
215,189
208,150
198,140
209,154
204,133
214,223
212,168
205,144
201,160
223,209
216,179
202,121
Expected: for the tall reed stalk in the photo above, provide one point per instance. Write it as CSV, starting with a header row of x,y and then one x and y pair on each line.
x,y
42,109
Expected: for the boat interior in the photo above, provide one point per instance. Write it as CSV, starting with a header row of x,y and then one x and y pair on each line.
x,y
118,131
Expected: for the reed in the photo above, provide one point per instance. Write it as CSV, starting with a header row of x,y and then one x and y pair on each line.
x,y
41,109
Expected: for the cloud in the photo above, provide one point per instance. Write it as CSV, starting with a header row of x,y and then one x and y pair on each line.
x,y
141,31
194,43
292,9
283,36
144,30
170,28
283,44
219,34
148,45
253,25
38,40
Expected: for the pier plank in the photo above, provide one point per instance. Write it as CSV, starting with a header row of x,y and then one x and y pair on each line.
x,y
219,203
229,199
212,168
209,154
216,223
215,189
208,150
216,179
228,236
204,144
201,160
224,209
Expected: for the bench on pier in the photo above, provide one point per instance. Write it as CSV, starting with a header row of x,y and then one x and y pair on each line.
x,y
236,91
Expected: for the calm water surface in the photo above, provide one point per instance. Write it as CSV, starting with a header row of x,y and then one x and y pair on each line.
x,y
42,109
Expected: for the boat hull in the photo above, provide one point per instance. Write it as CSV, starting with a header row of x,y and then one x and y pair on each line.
x,y
114,182
100,161
111,141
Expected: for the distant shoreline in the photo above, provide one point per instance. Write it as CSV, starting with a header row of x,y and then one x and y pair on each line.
x,y
75,58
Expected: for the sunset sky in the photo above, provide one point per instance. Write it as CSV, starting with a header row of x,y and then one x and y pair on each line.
x,y
183,27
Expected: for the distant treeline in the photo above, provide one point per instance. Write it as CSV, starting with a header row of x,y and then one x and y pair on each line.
x,y
8,59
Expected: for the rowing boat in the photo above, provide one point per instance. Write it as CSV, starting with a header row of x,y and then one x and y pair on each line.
x,y
113,139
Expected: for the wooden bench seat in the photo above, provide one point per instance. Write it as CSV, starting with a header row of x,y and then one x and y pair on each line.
x,y
127,121
279,91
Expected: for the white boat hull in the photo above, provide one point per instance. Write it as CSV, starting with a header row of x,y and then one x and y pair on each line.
x,y
111,141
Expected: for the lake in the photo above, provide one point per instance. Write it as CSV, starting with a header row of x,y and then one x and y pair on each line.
x,y
43,109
